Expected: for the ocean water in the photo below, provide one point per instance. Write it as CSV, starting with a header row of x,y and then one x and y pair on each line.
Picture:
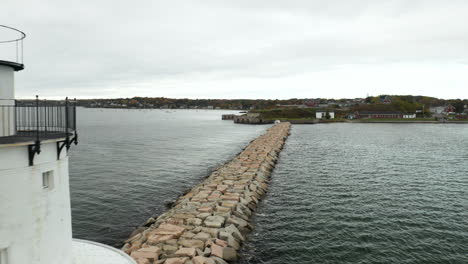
x,y
366,193
341,193
130,163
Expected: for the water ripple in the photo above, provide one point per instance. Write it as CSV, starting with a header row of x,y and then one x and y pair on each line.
x,y
366,193
130,163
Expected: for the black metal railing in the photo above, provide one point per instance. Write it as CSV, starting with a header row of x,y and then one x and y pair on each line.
x,y
37,118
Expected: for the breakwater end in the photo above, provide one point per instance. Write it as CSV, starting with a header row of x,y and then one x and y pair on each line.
x,y
208,224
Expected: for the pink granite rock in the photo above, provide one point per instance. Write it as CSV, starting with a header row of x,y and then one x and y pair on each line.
x,y
229,204
193,221
205,209
217,250
214,221
222,188
186,252
143,261
169,229
229,198
151,253
191,243
176,260
223,209
221,242
154,239
202,260
202,236
226,253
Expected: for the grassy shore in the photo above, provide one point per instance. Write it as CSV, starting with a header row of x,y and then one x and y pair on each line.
x,y
307,116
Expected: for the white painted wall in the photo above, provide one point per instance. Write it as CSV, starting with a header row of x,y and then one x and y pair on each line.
x,y
409,116
320,115
437,109
35,223
7,91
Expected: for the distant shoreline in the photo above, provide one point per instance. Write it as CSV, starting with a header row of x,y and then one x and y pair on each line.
x,y
305,121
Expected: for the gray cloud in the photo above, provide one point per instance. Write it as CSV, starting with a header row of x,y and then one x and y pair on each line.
x,y
233,49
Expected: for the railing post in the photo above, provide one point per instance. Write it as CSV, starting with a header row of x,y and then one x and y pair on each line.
x,y
75,130
37,118
74,115
66,123
36,148
46,119
16,117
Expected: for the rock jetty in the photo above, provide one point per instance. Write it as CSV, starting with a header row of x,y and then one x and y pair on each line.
x,y
208,224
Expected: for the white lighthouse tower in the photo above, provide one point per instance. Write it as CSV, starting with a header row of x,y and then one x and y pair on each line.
x,y
35,215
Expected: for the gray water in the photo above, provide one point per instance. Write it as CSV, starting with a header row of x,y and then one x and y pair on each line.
x,y
366,193
130,163
341,193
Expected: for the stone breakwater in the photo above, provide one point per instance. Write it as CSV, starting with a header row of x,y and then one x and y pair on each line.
x,y
208,224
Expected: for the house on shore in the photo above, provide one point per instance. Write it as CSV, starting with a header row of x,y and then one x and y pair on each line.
x,y
437,109
409,115
443,110
323,114
449,109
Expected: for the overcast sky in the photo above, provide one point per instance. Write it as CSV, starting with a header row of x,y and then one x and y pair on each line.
x,y
241,48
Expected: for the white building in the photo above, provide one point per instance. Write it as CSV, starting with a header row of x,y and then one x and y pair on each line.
x,y
323,114
437,109
408,116
35,214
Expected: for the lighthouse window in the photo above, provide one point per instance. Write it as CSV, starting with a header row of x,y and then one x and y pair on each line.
x,y
47,180
3,256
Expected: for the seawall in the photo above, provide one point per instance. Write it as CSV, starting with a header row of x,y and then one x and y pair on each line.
x,y
208,224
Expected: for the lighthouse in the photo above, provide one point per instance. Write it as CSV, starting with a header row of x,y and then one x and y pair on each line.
x,y
35,137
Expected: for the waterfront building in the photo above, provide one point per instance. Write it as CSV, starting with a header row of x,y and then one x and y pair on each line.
x,y
323,114
437,109
35,214
449,109
443,110
409,116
